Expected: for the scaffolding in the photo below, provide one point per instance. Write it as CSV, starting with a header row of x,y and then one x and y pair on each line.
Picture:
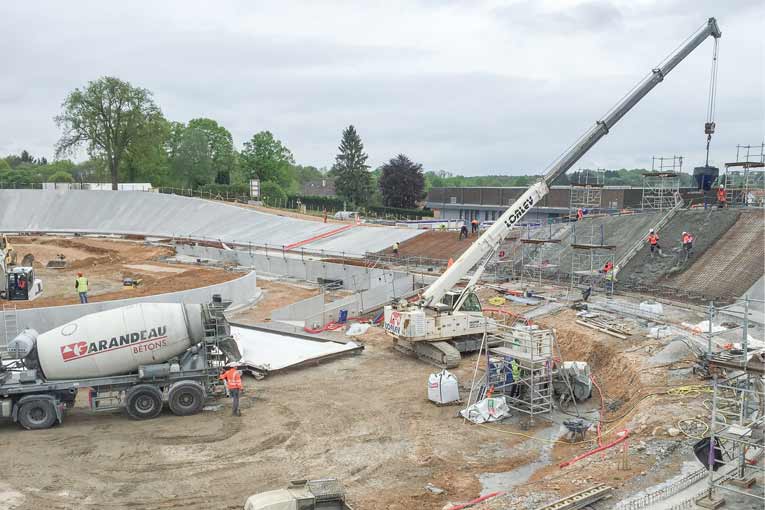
x,y
662,183
592,260
732,453
531,348
587,192
744,179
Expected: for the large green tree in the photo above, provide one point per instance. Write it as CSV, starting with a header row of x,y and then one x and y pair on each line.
x,y
193,164
221,147
148,160
266,158
401,182
351,172
108,116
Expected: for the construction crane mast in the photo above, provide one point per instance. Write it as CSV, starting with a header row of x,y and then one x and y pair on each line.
x,y
433,320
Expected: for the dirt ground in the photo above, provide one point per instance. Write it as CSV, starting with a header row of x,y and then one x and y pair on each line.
x,y
106,263
364,419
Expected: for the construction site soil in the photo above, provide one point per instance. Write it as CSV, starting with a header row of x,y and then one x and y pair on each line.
x,y
434,244
106,263
364,419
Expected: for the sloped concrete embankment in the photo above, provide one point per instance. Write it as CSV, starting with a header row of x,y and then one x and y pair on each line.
x,y
619,231
707,226
733,264
154,214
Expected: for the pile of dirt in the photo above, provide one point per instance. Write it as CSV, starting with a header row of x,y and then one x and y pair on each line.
x,y
434,244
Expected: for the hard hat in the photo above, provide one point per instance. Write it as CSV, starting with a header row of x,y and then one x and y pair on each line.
x,y
650,231
79,274
684,232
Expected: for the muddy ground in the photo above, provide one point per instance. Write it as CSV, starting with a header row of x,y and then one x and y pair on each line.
x,y
106,263
364,419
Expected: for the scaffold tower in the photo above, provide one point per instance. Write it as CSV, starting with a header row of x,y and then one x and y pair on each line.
x,y
744,179
592,260
587,191
662,182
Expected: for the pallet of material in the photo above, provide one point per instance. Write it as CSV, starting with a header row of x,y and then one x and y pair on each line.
x,y
599,324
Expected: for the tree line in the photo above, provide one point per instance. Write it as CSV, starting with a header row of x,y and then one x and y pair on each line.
x,y
127,139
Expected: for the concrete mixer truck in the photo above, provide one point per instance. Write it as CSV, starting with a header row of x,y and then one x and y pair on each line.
x,y
134,358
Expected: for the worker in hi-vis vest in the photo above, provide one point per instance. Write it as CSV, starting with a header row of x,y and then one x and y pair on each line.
x,y
81,286
233,379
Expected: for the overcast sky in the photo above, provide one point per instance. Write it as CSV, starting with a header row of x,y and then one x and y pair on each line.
x,y
474,87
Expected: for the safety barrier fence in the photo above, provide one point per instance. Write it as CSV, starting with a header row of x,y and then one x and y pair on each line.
x,y
649,499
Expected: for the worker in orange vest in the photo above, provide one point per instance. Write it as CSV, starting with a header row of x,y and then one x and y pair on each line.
x,y
579,214
653,242
721,198
687,242
474,225
233,379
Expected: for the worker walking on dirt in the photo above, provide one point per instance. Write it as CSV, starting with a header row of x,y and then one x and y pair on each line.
x,y
722,199
515,389
579,214
395,248
463,232
233,379
474,225
653,242
81,286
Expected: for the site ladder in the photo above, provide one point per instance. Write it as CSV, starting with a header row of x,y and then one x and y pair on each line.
x,y
640,243
10,325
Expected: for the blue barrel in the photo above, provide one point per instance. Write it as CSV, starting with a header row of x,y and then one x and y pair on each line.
x,y
343,317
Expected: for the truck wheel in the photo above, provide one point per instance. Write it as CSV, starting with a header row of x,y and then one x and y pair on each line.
x,y
186,398
37,414
143,402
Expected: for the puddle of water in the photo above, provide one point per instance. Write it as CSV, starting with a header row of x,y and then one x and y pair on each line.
x,y
505,481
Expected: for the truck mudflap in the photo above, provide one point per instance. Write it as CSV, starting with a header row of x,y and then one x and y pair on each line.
x,y
57,405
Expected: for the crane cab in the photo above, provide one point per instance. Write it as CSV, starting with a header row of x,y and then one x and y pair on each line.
x,y
449,301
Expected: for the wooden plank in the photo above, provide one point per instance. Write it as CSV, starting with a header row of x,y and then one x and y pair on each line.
x,y
604,330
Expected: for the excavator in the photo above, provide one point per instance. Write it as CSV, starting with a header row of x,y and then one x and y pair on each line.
x,y
443,321
17,283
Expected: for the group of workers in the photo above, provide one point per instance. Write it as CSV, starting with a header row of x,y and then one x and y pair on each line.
x,y
474,224
653,242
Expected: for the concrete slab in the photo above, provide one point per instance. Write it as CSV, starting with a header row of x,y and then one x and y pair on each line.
x,y
274,351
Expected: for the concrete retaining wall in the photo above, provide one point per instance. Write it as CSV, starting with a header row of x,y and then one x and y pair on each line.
x,y
356,278
242,291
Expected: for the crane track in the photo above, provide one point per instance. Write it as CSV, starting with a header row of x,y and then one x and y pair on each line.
x,y
439,354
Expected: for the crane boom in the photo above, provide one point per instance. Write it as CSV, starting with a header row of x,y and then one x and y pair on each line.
x,y
493,236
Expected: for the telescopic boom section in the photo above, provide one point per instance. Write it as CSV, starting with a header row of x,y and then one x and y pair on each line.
x,y
490,239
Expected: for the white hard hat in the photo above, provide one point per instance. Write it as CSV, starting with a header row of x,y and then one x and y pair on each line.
x,y
650,231
684,232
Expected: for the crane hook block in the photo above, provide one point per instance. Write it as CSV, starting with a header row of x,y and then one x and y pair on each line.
x,y
709,128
